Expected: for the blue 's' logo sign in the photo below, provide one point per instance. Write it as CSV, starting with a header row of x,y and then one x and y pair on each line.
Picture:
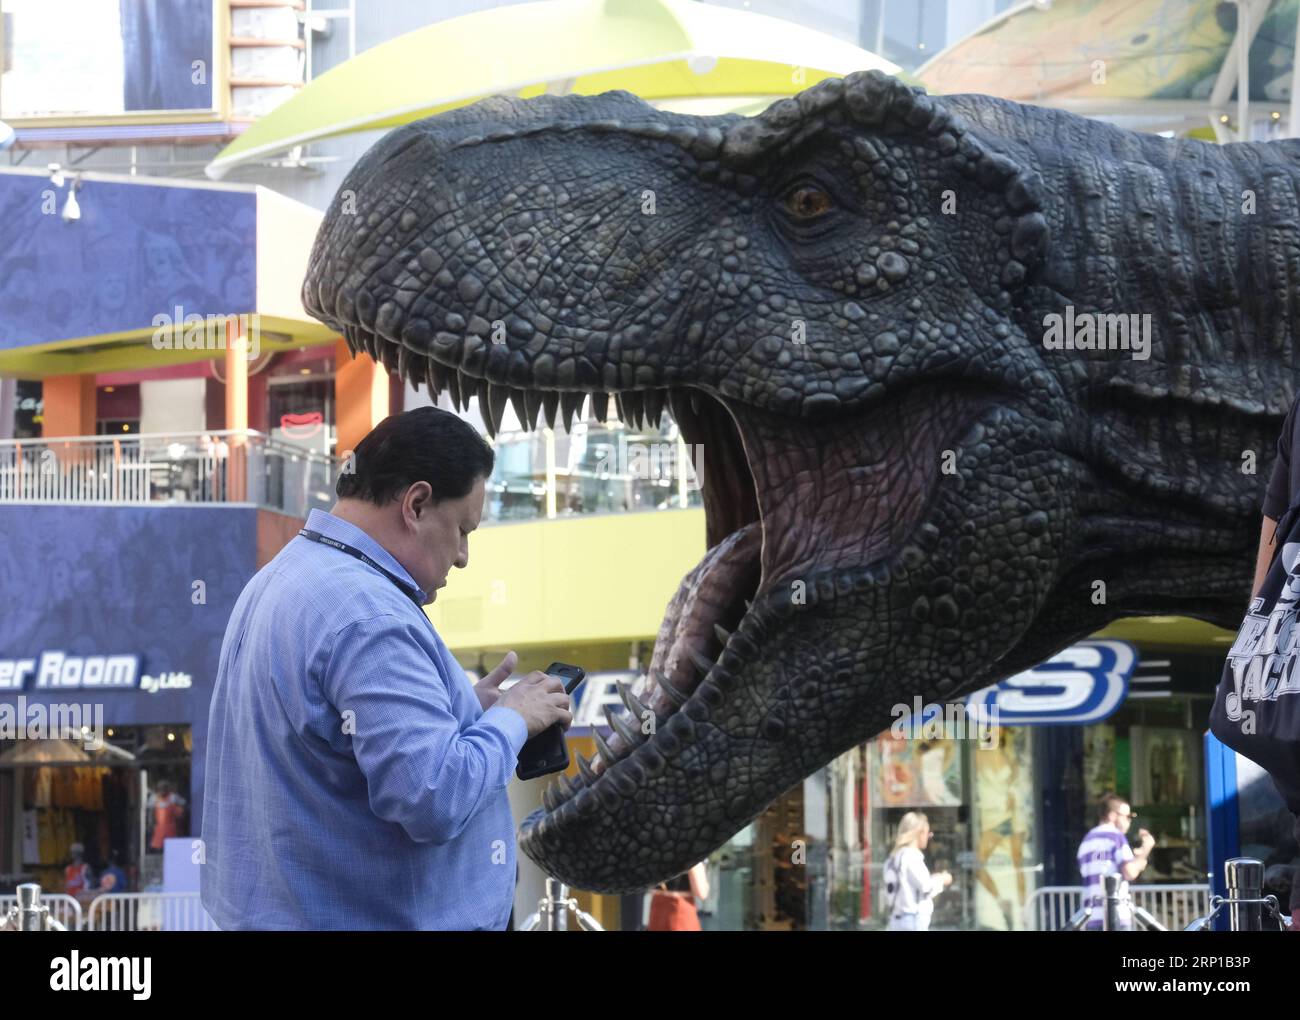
x,y
1084,683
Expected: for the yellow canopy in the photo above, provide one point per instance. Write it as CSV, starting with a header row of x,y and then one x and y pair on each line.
x,y
676,54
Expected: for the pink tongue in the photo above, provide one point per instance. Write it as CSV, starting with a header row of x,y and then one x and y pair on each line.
x,y
711,593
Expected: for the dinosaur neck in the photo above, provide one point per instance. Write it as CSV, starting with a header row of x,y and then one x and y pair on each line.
x,y
1162,447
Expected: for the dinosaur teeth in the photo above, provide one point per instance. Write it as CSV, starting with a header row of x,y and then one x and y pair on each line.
x,y
570,405
630,734
637,408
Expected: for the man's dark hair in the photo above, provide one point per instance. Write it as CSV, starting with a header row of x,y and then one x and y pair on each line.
x,y
1108,803
424,445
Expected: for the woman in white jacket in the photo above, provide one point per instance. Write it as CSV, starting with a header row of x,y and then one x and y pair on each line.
x,y
909,887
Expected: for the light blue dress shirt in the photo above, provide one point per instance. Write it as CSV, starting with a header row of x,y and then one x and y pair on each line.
x,y
353,779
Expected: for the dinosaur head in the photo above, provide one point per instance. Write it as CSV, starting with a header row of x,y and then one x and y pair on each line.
x,y
825,298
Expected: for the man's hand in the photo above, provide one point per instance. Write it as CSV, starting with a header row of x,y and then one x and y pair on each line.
x,y
1148,843
489,688
541,700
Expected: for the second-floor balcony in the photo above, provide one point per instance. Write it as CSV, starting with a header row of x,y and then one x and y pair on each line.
x,y
598,467
184,467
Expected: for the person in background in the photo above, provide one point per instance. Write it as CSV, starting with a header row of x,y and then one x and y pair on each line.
x,y
168,808
674,907
1104,850
113,878
908,883
76,876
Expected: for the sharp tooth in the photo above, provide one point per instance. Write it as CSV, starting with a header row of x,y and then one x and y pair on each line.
x,y
585,770
722,633
702,662
635,405
406,364
630,734
366,343
674,695
600,406
654,408
388,354
550,401
748,605
571,404
606,755
521,412
455,387
695,402
484,406
532,404
435,377
551,798
630,700
619,410
497,397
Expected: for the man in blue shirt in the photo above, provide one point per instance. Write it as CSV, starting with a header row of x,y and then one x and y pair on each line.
x,y
355,778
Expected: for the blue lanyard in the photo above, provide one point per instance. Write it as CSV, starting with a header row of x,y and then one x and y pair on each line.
x,y
411,593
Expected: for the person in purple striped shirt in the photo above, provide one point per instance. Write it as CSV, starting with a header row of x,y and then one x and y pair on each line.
x,y
1105,850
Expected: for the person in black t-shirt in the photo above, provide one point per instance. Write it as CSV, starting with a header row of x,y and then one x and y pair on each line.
x,y
1282,494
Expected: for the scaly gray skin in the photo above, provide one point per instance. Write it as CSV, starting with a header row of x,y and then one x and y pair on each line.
x,y
919,498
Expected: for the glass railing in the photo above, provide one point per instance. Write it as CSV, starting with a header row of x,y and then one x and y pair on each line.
x,y
184,467
595,468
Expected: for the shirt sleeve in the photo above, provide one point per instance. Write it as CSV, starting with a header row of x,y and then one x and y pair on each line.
x,y
1277,497
919,876
423,770
1125,853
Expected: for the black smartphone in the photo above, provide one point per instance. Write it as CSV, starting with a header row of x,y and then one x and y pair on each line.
x,y
548,752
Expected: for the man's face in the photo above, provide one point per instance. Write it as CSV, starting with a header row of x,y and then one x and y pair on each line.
x,y
442,538
1122,817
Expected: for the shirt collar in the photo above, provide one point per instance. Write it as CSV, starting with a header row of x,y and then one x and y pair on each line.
x,y
342,531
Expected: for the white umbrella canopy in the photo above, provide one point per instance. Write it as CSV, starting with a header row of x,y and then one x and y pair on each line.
x,y
676,54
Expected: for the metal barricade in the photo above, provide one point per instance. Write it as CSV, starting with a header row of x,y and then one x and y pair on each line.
x,y
552,912
1173,906
149,911
29,912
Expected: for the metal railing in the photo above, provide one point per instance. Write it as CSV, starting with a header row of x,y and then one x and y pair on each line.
x,y
1052,907
229,466
149,911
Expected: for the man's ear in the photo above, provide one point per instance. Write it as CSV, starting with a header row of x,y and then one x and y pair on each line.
x,y
417,499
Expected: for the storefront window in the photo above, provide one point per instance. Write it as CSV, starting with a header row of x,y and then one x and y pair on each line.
x,y
1149,752
91,821
1005,860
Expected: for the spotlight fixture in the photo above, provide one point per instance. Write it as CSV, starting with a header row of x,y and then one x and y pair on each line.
x,y
71,208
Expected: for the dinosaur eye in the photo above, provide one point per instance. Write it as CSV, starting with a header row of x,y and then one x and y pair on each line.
x,y
807,202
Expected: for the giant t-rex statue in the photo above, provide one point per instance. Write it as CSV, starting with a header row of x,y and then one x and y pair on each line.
x,y
912,485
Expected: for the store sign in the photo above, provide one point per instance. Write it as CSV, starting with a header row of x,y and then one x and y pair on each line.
x,y
58,671
1081,684
597,691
